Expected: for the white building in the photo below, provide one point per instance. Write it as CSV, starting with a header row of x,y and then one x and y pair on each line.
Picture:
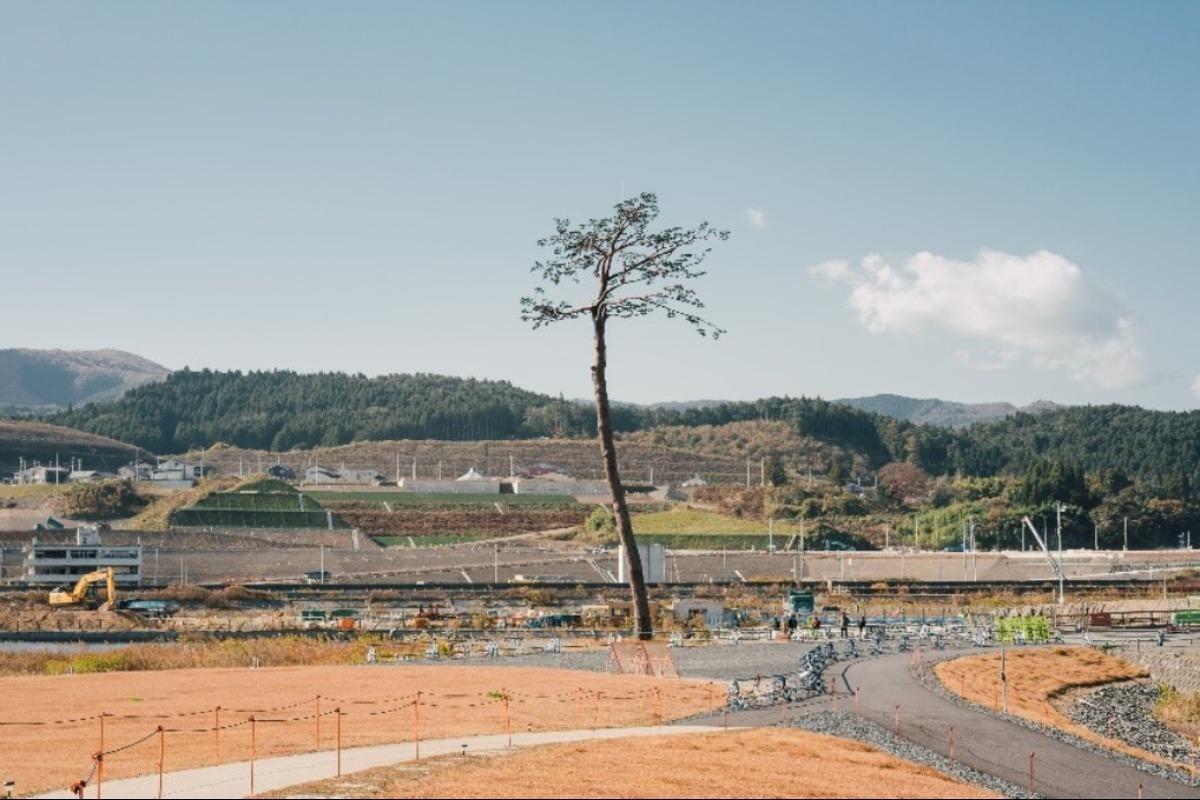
x,y
59,564
88,476
39,474
175,470
326,475
654,563
138,471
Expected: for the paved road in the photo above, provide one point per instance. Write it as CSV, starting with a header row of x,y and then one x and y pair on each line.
x,y
270,774
990,744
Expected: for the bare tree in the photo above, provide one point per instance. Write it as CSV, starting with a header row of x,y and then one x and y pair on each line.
x,y
637,272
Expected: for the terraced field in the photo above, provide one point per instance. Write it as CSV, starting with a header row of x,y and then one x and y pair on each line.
x,y
278,506
384,499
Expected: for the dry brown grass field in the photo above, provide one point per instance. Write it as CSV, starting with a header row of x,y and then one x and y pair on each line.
x,y
59,727
762,762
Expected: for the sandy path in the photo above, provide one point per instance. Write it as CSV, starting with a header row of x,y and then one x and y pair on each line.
x,y
233,780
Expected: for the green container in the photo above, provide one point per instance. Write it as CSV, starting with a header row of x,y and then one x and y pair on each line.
x,y
800,601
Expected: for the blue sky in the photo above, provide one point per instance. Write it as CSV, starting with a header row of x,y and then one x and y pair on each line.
x,y
360,187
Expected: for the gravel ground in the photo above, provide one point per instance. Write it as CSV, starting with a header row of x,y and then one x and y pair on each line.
x,y
925,675
849,726
1129,709
722,662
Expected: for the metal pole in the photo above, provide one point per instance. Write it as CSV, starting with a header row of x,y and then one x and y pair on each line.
x,y
507,722
318,722
162,755
1058,507
217,733
1003,681
417,726
100,759
338,711
253,742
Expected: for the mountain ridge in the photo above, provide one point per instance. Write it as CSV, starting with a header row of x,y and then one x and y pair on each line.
x,y
38,380
943,413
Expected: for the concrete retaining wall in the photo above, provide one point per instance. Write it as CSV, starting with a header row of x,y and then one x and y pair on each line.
x,y
1180,670
450,487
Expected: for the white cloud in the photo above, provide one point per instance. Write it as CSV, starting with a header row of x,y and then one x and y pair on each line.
x,y
1038,309
1196,387
756,218
835,270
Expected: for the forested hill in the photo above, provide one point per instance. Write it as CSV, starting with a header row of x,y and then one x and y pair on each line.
x,y
285,410
1149,444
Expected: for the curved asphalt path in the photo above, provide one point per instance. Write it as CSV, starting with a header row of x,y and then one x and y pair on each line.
x,y
983,741
990,744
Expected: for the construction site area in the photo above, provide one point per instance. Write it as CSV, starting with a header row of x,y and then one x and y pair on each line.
x,y
250,637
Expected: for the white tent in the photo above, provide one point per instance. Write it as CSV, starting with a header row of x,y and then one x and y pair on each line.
x,y
472,475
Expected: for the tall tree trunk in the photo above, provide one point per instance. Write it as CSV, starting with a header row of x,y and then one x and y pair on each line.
x,y
643,623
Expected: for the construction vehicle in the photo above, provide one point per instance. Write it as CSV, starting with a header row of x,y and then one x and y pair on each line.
x,y
80,594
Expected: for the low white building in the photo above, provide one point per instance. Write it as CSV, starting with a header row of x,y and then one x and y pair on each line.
x,y
327,475
547,482
64,563
654,563
40,474
139,471
175,470
713,611
89,476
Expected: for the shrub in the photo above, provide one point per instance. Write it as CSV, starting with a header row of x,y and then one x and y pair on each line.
x,y
100,500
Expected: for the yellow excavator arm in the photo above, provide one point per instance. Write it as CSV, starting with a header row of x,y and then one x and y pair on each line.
x,y
62,597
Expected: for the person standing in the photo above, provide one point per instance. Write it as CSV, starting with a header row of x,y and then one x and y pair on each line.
x,y
845,625
862,627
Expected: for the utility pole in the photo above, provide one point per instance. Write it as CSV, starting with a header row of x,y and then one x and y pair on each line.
x,y
1058,507
1096,536
964,545
762,472
974,552
414,468
1126,545
397,467
770,534
747,473
801,549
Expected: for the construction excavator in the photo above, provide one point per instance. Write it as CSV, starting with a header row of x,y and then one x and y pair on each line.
x,y
79,595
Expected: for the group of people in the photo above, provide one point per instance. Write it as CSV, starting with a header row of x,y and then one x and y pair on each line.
x,y
792,622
